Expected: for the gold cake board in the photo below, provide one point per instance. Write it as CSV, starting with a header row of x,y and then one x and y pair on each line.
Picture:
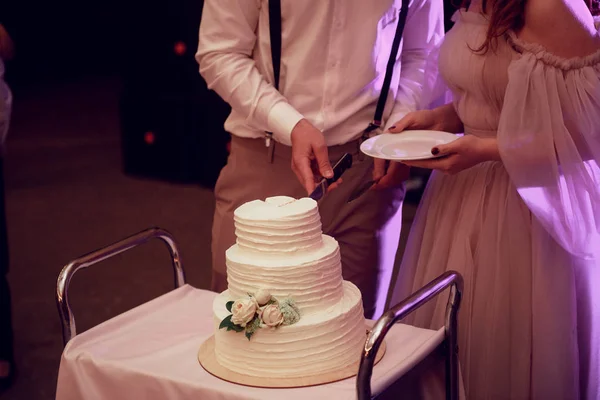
x,y
206,357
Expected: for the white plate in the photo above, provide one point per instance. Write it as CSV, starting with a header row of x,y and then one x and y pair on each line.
x,y
405,146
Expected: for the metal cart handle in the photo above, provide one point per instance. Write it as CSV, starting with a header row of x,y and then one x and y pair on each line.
x,y
401,310
64,279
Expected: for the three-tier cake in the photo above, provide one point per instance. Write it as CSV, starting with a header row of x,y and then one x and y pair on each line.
x,y
287,312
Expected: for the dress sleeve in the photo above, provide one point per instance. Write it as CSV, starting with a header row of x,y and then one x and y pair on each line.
x,y
549,141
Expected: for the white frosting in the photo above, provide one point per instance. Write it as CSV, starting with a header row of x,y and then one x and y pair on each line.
x,y
278,225
313,280
281,248
320,343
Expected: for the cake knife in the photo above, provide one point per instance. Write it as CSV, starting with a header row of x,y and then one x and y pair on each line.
x,y
364,187
339,168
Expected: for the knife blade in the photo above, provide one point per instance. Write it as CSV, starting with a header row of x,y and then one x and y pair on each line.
x,y
339,168
364,188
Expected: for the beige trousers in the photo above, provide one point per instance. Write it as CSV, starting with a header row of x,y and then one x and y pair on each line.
x,y
367,229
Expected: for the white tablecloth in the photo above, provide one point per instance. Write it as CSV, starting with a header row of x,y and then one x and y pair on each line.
x,y
150,352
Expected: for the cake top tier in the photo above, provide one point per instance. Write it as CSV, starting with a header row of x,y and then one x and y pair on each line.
x,y
276,209
278,225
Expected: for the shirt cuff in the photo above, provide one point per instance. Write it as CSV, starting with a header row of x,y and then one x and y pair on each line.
x,y
281,121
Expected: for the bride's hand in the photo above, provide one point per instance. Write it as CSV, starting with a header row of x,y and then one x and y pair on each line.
x,y
423,119
443,118
459,155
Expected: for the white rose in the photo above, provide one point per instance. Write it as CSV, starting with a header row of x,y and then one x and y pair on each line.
x,y
243,311
271,315
262,296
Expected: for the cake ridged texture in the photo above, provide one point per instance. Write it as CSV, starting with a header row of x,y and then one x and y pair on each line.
x,y
318,344
281,248
278,226
314,280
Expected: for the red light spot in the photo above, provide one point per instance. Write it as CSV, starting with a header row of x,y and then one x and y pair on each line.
x,y
149,138
180,48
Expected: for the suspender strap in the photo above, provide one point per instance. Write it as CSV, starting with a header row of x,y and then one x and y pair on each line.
x,y
390,65
275,32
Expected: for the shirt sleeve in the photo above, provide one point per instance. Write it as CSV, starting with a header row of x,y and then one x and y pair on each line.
x,y
423,34
549,141
227,40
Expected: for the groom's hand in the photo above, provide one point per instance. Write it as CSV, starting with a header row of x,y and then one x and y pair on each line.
x,y
310,159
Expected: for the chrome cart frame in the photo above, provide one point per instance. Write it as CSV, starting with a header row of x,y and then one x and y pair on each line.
x,y
64,279
450,279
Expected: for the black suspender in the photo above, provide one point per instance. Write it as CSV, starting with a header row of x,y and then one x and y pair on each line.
x,y
275,33
376,123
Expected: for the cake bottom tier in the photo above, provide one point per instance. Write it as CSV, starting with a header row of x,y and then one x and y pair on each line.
x,y
320,342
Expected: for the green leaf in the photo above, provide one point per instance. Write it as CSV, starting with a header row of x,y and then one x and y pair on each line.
x,y
226,322
228,305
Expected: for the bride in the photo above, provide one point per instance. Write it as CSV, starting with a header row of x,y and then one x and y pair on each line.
x,y
514,204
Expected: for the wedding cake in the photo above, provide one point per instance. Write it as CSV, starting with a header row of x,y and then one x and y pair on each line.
x,y
287,312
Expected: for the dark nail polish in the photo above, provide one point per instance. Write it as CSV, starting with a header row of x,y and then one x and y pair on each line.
x,y
393,127
435,151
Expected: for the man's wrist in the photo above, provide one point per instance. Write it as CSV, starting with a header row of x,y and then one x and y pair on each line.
x,y
282,120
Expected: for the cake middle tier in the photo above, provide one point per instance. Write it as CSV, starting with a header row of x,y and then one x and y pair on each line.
x,y
313,280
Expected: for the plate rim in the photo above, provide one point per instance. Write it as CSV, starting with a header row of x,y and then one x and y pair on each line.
x,y
373,139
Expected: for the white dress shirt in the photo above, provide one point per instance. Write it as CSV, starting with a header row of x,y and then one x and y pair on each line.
x,y
334,56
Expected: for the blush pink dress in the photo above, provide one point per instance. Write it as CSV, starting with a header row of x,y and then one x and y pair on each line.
x,y
524,232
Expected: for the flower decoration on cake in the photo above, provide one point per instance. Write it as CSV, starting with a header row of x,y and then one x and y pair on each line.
x,y
271,316
259,310
243,311
262,297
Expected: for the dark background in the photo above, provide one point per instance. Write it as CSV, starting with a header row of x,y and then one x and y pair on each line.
x,y
160,90
66,39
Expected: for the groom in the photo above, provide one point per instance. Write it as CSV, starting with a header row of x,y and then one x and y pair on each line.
x,y
333,61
